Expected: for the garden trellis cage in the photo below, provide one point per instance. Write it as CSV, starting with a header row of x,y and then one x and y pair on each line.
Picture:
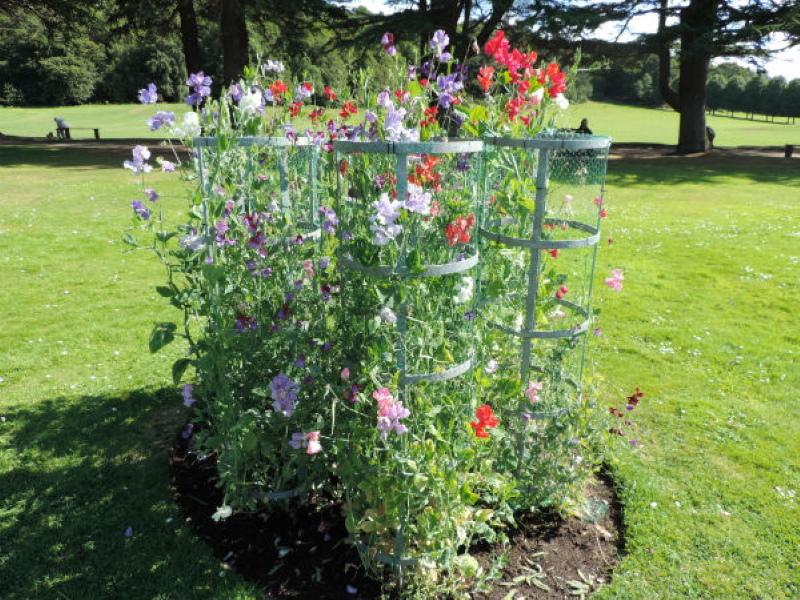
x,y
541,232
408,304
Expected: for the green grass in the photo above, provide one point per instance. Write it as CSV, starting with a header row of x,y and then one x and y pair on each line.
x,y
623,123
653,125
114,120
706,326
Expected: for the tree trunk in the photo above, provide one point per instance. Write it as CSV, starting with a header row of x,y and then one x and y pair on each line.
x,y
697,26
190,37
664,60
499,10
235,43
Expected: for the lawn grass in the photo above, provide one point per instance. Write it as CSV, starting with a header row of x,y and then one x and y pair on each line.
x,y
706,326
622,123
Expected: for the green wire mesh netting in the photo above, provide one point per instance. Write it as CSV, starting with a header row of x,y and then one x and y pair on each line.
x,y
544,201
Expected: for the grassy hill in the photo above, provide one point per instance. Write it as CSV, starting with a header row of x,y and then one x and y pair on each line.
x,y
622,123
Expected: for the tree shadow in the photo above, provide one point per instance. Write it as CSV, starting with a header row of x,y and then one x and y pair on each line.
x,y
706,169
103,155
84,470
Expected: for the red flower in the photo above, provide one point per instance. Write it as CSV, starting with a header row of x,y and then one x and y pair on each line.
x,y
316,114
348,108
328,92
561,292
343,167
634,398
485,76
553,252
278,89
497,43
458,230
513,106
294,108
603,213
485,419
423,82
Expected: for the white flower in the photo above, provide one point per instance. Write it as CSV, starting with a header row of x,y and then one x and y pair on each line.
x,y
192,242
465,291
536,97
274,66
222,513
387,315
189,128
491,367
251,102
561,101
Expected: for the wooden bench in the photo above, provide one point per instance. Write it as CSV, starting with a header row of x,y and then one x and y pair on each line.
x,y
64,133
788,150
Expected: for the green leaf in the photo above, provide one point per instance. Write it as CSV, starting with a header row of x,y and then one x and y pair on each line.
x,y
179,368
165,291
128,238
162,334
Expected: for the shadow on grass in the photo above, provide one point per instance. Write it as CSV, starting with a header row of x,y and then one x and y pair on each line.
x,y
104,155
83,470
708,169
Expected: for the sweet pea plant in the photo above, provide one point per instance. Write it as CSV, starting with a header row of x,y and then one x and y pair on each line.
x,y
340,305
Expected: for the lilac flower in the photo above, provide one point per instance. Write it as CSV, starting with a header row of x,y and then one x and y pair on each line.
x,y
469,315
446,100
330,220
385,100
274,66
149,95
370,117
300,361
390,411
449,83
256,270
412,72
192,241
384,227
290,132
161,118
151,194
186,392
387,315
139,163
324,262
418,201
462,162
187,431
245,323
439,42
166,166
302,91
393,124
298,438
140,209
200,84
387,41
284,393
235,92
128,532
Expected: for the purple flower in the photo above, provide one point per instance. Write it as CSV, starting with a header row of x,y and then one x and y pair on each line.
x,y
274,66
149,95
151,194
245,323
385,100
167,166
140,209
449,83
412,72
439,42
161,118
418,201
300,362
186,392
394,127
128,532
384,227
324,262
235,92
330,220
297,441
139,163
445,100
187,431
469,315
284,394
462,162
200,84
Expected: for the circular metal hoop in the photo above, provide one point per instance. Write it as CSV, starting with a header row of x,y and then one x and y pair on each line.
x,y
579,329
269,142
457,146
562,142
515,242
457,266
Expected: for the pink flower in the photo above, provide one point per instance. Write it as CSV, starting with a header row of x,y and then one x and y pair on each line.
x,y
314,447
532,391
345,374
390,411
598,201
615,281
308,267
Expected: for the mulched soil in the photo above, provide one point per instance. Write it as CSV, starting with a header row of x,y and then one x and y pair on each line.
x,y
306,554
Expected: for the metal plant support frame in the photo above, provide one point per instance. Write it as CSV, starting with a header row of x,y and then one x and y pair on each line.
x,y
470,262
545,147
402,150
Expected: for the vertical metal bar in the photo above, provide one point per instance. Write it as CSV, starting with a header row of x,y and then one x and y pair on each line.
x,y
283,172
535,259
314,217
401,172
204,210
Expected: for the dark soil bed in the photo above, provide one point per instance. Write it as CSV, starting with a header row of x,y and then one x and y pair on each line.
x,y
306,554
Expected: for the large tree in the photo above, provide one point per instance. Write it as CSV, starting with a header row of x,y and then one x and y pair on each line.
x,y
690,32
